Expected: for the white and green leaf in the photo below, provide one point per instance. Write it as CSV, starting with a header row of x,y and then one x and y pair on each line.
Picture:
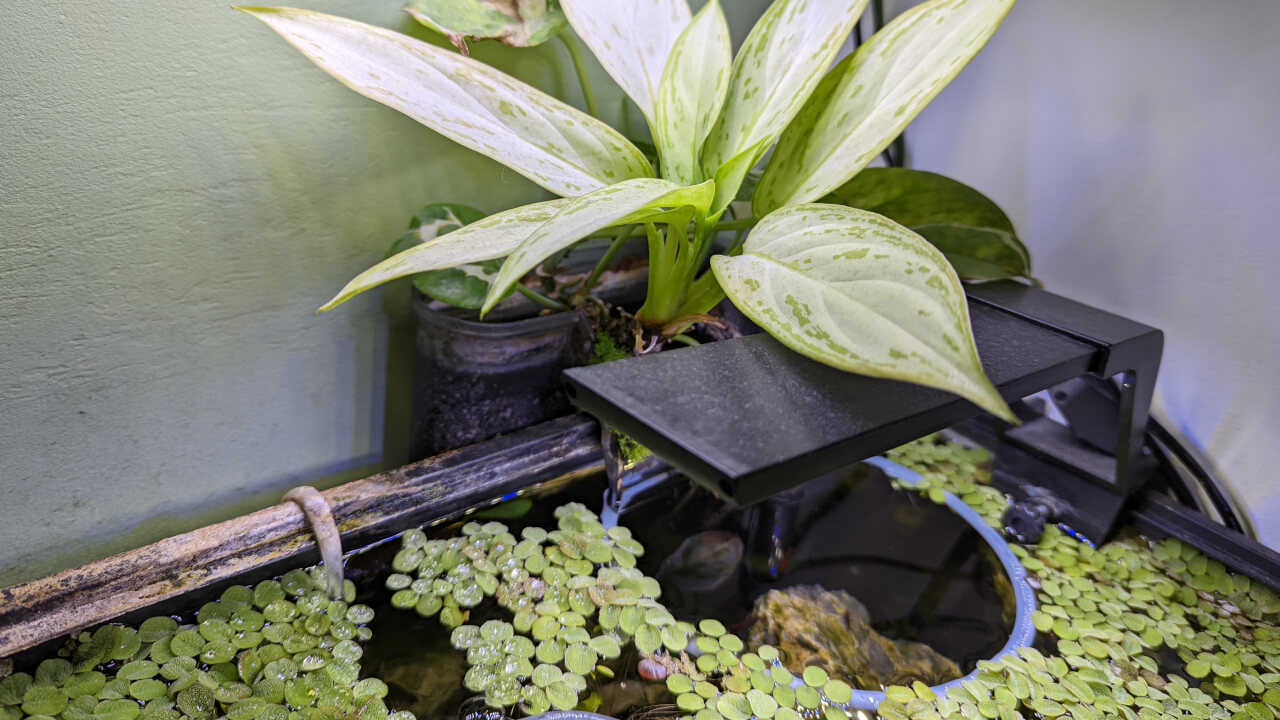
x,y
871,96
562,149
631,39
464,286
693,89
856,291
967,226
778,66
518,23
627,202
489,239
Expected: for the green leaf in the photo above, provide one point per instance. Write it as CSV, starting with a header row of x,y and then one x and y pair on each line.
x,y
561,696
917,197
778,66
628,202
558,147
856,291
436,219
464,286
489,239
693,89
44,700
971,230
872,95
518,23
631,39
978,253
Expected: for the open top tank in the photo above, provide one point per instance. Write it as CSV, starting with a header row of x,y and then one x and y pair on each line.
x,y
687,607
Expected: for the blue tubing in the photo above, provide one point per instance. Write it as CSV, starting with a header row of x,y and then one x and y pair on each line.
x,y
1024,632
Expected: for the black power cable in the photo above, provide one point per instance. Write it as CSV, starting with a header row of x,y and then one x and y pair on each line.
x,y
1165,443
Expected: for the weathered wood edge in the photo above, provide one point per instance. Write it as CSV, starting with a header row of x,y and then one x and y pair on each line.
x,y
36,612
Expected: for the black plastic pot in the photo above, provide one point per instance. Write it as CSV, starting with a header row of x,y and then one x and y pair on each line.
x,y
474,380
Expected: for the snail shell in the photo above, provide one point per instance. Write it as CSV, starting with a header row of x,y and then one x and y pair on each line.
x,y
652,670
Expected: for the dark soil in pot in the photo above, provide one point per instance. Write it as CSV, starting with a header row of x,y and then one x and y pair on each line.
x,y
473,380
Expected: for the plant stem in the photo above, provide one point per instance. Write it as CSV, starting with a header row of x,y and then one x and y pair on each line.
x,y
580,67
704,294
666,290
618,241
684,339
540,299
739,224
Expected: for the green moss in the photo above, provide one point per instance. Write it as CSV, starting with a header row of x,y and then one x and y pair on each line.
x,y
606,349
632,451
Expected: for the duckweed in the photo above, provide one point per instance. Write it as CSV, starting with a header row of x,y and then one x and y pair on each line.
x,y
279,651
1137,629
576,600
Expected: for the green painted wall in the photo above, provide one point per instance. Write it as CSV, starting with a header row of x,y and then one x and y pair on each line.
x,y
178,193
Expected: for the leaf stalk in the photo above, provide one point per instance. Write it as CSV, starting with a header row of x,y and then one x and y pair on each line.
x,y
584,78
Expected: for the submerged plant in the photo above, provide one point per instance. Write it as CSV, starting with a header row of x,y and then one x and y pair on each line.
x,y
280,650
847,287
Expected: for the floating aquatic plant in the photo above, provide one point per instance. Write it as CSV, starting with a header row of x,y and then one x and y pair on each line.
x,y
281,650
576,600
1113,618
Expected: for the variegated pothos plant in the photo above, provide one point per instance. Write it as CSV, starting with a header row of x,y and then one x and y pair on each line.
x,y
843,286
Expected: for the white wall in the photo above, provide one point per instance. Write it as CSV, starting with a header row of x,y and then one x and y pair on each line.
x,y
1136,145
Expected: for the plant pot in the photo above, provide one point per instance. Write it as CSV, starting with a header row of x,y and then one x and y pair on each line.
x,y
474,380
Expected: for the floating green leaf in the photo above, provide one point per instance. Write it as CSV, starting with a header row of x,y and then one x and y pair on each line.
x,y
816,677
44,700
838,692
762,705
561,696
53,671
580,658
148,689
118,710
648,639
689,702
